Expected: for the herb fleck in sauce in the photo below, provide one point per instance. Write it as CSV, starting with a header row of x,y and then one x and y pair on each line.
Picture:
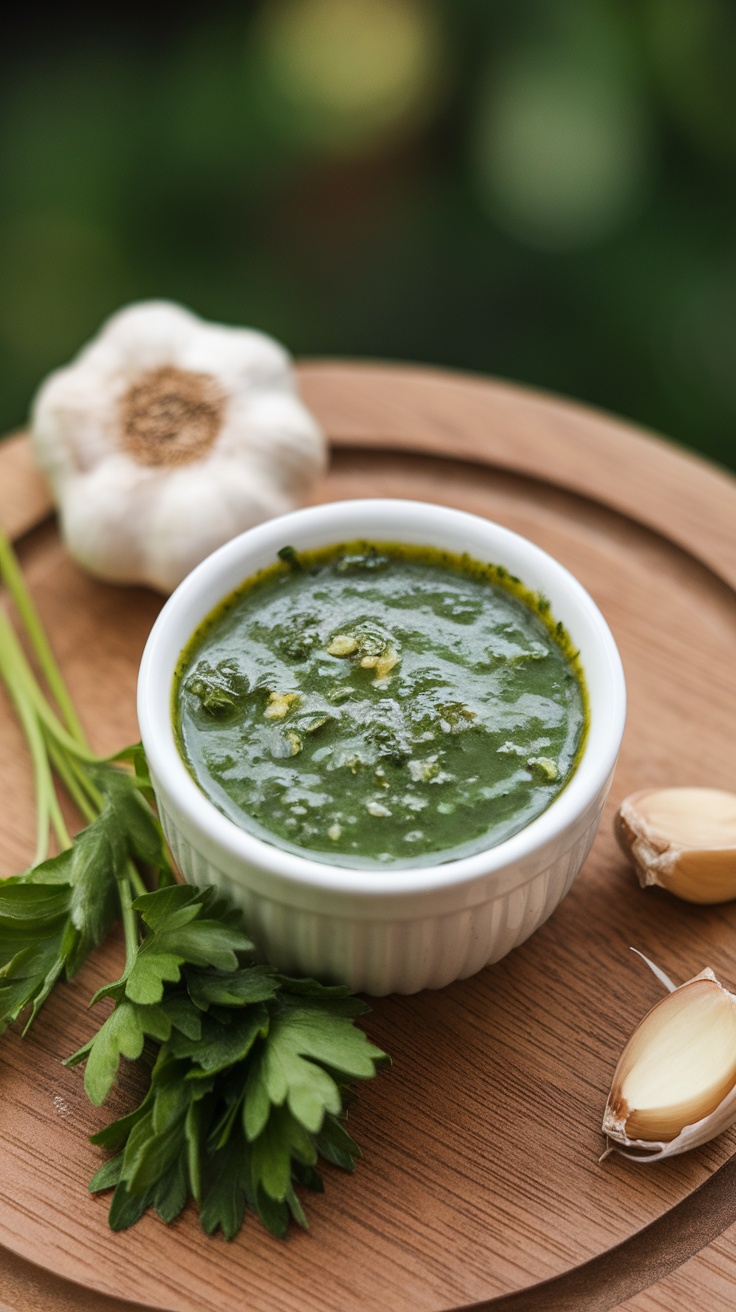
x,y
381,705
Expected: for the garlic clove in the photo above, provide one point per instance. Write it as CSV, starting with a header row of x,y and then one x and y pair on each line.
x,y
683,839
675,1083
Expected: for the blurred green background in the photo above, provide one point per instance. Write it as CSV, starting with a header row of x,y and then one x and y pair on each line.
x,y
544,190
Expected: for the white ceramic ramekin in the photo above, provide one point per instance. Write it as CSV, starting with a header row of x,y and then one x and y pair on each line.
x,y
384,931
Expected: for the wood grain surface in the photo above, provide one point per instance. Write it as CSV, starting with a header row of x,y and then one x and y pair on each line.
x,y
480,1183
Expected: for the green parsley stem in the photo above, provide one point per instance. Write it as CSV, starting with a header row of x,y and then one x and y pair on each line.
x,y
135,880
34,738
130,922
53,724
34,694
10,571
63,837
94,797
68,775
42,730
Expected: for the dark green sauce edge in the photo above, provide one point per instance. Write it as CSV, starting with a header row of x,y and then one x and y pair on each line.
x,y
464,564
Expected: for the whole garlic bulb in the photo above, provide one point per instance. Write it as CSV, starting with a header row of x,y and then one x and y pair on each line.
x,y
166,437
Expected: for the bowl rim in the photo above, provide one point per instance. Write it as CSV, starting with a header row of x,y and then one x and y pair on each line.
x,y
208,583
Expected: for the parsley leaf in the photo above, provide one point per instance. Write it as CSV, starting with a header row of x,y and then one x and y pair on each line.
x,y
47,929
177,933
304,1038
249,1086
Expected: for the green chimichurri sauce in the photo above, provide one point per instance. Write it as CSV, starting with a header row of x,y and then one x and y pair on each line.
x,y
377,705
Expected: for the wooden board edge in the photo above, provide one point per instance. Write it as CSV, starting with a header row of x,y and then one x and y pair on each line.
x,y
607,1281
581,449
27,1287
25,497
679,495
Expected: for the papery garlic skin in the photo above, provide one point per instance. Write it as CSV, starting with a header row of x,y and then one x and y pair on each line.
x,y
682,839
166,437
675,1083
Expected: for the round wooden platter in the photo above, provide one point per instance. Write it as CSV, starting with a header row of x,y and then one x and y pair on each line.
x,y
480,1181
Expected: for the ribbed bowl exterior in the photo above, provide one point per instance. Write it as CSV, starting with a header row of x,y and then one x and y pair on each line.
x,y
380,953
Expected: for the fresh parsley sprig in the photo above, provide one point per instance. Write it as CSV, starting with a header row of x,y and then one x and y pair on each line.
x,y
247,1090
250,1084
